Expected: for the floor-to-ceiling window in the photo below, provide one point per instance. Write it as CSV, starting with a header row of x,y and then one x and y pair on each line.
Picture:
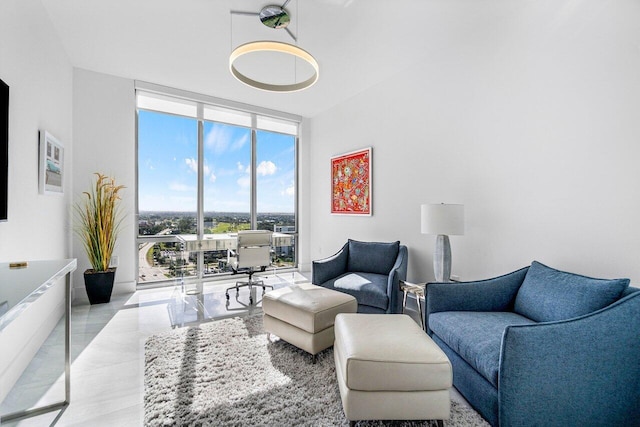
x,y
205,171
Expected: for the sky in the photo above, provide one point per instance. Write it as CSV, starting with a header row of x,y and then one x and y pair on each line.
x,y
168,166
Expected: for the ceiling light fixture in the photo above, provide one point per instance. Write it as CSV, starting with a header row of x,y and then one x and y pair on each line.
x,y
275,17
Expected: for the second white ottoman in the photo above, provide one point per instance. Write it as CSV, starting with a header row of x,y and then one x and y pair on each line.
x,y
388,368
303,315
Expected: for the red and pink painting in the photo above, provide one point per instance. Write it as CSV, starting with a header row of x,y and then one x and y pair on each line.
x,y
351,183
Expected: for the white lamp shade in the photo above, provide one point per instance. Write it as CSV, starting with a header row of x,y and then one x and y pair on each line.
x,y
447,219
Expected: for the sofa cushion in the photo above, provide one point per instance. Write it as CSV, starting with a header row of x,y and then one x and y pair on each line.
x,y
476,336
372,257
369,288
547,294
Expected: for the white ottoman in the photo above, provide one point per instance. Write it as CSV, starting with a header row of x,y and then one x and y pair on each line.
x,y
388,368
303,315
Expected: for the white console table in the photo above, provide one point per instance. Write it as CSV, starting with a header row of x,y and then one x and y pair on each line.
x,y
28,303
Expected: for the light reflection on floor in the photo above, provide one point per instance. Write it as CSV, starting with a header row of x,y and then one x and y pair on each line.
x,y
107,350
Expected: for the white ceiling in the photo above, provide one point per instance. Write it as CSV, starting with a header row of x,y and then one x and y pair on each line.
x,y
186,44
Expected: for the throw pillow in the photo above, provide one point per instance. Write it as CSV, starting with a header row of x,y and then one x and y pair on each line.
x,y
548,294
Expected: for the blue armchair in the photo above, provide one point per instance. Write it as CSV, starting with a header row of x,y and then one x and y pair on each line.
x,y
542,347
370,271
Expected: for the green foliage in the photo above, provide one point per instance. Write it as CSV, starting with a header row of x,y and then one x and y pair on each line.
x,y
227,227
99,221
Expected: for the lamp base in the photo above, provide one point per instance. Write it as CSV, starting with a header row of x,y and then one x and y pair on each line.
x,y
442,259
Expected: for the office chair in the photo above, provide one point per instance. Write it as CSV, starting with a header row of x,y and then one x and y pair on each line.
x,y
253,254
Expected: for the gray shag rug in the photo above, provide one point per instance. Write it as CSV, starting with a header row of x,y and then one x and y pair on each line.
x,y
226,373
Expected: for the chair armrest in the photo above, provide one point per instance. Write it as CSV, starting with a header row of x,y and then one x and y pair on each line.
x,y
582,371
331,267
397,273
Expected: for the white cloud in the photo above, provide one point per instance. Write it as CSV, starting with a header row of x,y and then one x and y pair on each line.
x,y
289,191
221,139
240,167
212,177
266,167
192,163
239,143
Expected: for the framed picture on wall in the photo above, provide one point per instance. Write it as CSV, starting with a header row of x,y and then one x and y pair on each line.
x,y
351,183
51,165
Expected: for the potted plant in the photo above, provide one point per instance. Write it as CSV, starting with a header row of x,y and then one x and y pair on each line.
x,y
99,223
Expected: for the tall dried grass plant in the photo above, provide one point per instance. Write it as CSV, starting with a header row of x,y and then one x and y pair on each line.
x,y
99,221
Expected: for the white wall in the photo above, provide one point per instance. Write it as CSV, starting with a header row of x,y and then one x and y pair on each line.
x,y
35,66
528,115
37,69
304,197
104,132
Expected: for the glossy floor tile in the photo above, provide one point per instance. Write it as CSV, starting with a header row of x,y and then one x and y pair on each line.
x,y
107,352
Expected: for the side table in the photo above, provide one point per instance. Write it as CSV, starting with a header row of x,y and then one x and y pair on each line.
x,y
416,289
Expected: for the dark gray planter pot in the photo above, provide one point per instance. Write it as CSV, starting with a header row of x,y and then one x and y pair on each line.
x,y
99,285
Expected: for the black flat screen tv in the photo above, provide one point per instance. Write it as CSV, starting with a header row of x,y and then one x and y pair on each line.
x,y
4,150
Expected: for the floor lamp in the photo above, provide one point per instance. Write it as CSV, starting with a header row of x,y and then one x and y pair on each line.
x,y
444,220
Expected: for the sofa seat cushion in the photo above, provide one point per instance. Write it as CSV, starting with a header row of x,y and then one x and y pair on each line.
x,y
369,288
548,295
476,336
372,257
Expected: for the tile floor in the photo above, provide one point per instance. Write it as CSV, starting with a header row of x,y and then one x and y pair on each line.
x,y
107,353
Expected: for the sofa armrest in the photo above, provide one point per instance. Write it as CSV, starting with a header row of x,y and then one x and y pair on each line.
x,y
582,371
330,267
397,273
496,294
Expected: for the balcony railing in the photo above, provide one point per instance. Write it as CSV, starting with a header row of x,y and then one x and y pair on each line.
x,y
166,258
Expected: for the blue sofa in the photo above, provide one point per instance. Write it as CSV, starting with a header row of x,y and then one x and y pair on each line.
x,y
370,271
542,347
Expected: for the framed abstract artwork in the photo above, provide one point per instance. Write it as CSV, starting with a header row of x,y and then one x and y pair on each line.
x,y
351,183
51,168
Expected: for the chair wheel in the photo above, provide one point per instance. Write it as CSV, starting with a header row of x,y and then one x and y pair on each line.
x,y
250,300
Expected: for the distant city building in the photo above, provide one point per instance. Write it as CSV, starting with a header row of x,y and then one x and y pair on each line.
x,y
284,250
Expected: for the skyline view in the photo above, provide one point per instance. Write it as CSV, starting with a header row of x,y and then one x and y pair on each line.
x,y
168,192
168,166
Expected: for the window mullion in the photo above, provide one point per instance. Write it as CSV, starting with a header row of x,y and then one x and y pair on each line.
x,y
254,191
200,213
